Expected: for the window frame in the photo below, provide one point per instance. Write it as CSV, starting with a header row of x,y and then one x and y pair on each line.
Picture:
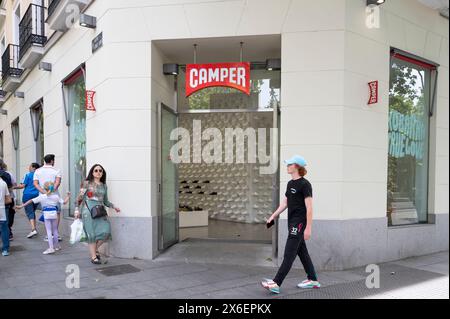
x,y
432,68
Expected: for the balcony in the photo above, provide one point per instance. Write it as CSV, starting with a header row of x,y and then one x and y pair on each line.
x,y
11,72
32,36
58,18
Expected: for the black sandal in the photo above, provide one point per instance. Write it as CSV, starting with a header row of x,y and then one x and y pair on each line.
x,y
96,261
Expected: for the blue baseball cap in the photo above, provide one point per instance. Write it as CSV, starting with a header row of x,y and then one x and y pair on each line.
x,y
296,159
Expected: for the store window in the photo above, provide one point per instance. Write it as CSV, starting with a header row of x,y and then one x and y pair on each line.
x,y
264,93
410,107
76,90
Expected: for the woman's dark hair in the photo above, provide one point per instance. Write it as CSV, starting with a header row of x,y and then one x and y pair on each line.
x,y
90,177
35,165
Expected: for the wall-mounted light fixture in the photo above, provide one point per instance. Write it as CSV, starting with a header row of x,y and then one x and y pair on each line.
x,y
273,64
45,66
170,69
19,95
88,21
375,2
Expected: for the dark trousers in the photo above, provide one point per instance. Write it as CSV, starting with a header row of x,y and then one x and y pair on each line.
x,y
295,246
11,213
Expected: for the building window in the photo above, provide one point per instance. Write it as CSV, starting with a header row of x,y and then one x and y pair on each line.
x,y
16,23
410,105
76,90
37,123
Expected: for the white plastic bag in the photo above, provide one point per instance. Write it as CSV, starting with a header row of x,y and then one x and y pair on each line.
x,y
77,232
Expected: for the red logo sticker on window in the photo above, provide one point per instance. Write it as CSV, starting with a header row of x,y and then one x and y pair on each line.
x,y
233,75
373,92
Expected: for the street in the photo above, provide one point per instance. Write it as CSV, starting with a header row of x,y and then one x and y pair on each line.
x,y
29,274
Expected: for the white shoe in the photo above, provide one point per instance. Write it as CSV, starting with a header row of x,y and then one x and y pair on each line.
x,y
49,251
58,248
46,238
32,234
309,284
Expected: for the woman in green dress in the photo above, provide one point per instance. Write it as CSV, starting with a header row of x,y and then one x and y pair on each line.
x,y
95,192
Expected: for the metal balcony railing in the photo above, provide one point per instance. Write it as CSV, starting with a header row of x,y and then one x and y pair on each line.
x,y
10,62
32,28
52,4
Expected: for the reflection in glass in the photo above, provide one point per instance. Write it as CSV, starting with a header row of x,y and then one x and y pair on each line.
x,y
77,136
408,143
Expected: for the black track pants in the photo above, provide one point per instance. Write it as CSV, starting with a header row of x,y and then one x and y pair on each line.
x,y
295,246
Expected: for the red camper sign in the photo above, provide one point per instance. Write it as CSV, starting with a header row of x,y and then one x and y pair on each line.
x,y
233,75
90,106
373,92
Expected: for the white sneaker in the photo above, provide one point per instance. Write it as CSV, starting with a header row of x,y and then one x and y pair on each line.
x,y
309,284
32,234
46,238
58,248
49,251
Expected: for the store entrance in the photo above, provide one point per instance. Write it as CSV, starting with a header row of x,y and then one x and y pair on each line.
x,y
229,196
209,194
227,200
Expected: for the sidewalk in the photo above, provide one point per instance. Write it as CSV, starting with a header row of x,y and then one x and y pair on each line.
x,y
29,274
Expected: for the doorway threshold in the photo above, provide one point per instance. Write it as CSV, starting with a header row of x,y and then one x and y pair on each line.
x,y
228,240
220,251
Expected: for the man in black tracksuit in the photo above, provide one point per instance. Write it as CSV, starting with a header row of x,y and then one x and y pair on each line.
x,y
298,201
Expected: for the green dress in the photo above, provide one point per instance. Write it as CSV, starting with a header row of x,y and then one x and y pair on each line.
x,y
98,228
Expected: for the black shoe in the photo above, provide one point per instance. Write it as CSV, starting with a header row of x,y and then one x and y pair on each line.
x,y
96,261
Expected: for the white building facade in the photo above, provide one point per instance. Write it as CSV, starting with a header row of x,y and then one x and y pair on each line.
x,y
379,171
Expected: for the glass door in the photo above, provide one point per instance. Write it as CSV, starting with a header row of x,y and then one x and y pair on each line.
x,y
276,177
168,185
